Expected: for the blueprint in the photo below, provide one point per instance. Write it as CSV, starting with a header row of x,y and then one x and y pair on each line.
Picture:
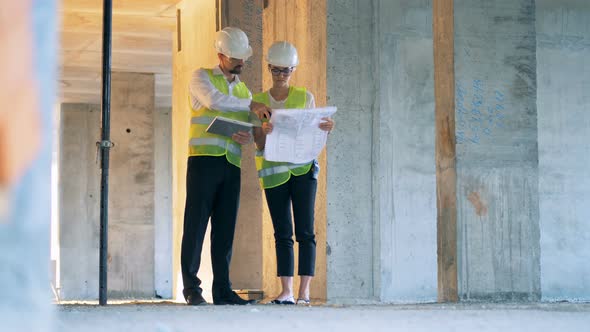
x,y
296,136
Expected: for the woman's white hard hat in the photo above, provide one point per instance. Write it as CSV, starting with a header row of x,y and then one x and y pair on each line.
x,y
282,54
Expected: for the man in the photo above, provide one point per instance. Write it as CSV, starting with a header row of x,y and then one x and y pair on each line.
x,y
213,172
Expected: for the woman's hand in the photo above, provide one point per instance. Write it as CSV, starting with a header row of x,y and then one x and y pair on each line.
x,y
327,125
266,128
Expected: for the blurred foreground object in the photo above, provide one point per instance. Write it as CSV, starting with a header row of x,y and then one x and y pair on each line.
x,y
28,35
19,114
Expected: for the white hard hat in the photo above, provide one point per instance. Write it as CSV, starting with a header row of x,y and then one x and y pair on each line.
x,y
233,43
282,54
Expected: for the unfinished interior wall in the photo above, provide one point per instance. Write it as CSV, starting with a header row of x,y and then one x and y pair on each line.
x,y
302,23
381,176
131,195
563,101
79,197
404,182
497,159
351,87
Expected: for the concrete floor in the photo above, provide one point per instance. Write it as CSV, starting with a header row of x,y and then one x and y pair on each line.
x,y
427,317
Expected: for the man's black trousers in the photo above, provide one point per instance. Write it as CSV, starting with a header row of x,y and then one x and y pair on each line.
x,y
212,190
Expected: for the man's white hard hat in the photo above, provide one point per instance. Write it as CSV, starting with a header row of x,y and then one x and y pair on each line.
x,y
233,42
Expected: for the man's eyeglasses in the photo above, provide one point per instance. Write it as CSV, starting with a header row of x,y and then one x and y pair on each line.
x,y
277,71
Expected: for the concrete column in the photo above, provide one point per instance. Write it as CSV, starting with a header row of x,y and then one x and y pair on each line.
x,y
351,87
403,166
497,157
131,197
563,70
246,266
79,190
163,202
381,175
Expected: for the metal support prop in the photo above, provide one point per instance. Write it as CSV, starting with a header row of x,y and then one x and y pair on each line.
x,y
104,146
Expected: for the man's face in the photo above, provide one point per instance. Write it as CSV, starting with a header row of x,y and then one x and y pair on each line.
x,y
232,65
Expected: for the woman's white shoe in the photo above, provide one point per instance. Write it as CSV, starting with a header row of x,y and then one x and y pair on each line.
x,y
302,302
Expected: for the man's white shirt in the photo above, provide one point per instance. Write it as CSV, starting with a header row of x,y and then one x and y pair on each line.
x,y
204,93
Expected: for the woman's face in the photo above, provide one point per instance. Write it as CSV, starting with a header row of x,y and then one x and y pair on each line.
x,y
280,74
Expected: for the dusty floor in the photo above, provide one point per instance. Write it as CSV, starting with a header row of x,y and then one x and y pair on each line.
x,y
427,317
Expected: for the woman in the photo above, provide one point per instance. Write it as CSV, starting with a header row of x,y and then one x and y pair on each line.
x,y
294,185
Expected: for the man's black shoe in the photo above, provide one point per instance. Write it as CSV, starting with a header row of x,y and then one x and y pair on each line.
x,y
195,299
232,299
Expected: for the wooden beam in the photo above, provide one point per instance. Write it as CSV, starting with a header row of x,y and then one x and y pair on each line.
x,y
82,85
446,174
122,61
141,41
149,26
130,7
91,41
90,80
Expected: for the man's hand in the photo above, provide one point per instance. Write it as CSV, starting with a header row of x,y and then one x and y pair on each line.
x,y
261,110
242,137
327,125
267,128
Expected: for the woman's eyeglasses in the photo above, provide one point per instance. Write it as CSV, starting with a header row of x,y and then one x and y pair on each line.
x,y
277,71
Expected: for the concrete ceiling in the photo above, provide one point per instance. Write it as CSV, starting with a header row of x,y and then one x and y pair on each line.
x,y
142,42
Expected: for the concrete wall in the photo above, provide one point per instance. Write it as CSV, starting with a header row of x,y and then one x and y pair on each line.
x,y
302,23
404,182
497,159
350,68
131,194
381,176
79,197
563,101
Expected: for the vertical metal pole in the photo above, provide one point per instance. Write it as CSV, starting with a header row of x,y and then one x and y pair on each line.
x,y
105,145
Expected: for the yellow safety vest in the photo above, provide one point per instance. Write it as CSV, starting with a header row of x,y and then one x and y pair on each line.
x,y
273,174
202,143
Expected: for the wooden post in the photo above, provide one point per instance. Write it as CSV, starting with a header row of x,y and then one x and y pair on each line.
x,y
446,175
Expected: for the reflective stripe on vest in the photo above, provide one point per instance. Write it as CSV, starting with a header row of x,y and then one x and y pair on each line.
x,y
202,143
273,174
279,169
217,142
